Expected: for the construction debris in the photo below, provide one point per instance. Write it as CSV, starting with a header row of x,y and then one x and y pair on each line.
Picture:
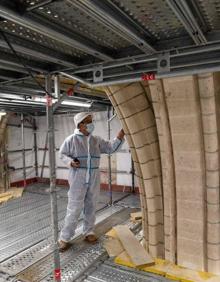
x,y
139,256
136,216
122,242
11,193
117,245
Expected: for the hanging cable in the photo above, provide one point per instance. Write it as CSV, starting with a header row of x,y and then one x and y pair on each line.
x,y
23,64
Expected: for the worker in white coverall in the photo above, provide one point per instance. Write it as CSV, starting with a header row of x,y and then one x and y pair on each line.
x,y
81,153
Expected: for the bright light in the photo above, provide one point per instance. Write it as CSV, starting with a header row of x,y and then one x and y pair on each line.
x,y
42,100
76,103
2,114
65,102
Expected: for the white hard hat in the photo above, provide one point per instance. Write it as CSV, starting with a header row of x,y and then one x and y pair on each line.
x,y
80,117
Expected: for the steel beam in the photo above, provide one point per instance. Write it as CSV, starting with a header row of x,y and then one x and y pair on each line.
x,y
42,26
185,51
183,71
13,60
196,10
109,157
38,5
27,47
21,90
9,75
11,79
12,67
35,146
23,149
184,14
107,14
53,196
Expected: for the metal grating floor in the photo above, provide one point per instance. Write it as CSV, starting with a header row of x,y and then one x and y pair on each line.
x,y
26,244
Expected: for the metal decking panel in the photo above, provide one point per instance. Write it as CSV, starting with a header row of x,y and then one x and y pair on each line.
x,y
77,20
210,10
26,232
37,38
154,16
42,270
114,273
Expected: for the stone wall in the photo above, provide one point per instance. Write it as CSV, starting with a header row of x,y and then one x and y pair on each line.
x,y
172,127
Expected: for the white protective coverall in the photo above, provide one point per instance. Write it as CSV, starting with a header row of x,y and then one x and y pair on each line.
x,y
84,181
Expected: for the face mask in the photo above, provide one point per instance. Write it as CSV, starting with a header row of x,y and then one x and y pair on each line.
x,y
90,127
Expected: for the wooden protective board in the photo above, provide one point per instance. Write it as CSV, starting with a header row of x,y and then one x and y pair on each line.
x,y
16,192
139,256
113,246
10,194
124,259
5,198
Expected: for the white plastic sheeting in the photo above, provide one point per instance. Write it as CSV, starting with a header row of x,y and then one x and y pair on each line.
x,y
15,143
64,126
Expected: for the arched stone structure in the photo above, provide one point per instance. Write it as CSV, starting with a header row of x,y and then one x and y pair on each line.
x,y
172,127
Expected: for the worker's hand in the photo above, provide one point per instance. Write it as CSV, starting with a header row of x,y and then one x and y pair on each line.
x,y
75,164
121,134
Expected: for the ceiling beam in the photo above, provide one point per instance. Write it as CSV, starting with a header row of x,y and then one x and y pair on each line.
x,y
38,5
7,58
12,67
111,16
38,51
185,15
9,75
53,31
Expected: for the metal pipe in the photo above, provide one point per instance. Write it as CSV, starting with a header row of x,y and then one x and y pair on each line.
x,y
184,51
35,23
109,157
19,168
44,156
23,149
18,151
53,196
57,86
132,176
104,170
76,78
38,5
153,69
184,14
137,78
14,80
193,21
39,52
114,19
35,147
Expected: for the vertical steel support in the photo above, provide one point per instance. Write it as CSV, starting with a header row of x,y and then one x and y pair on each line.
x,y
57,86
23,148
132,176
53,196
44,157
35,147
109,158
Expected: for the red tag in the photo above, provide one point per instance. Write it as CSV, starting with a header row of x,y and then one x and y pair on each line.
x,y
57,274
70,91
25,183
148,76
49,101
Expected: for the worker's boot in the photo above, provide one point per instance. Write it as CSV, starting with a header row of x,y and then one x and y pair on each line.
x,y
91,238
63,246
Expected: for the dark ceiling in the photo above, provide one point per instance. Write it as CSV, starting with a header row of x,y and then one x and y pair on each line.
x,y
101,42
